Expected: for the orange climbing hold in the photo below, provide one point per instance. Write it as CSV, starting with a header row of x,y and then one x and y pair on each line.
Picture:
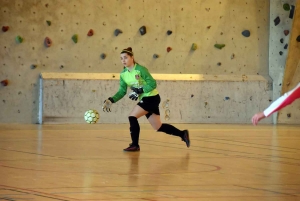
x,y
5,28
48,42
4,82
91,32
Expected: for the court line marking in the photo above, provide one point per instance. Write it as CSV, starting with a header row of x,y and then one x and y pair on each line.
x,y
248,142
13,150
237,152
260,189
36,193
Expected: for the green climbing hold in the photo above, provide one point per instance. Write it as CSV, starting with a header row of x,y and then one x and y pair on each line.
x,y
194,46
48,22
286,7
75,38
19,39
219,46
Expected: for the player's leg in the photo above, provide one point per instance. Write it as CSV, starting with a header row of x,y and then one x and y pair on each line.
x,y
154,120
136,113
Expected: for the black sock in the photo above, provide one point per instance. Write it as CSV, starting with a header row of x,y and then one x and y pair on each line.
x,y
134,130
171,130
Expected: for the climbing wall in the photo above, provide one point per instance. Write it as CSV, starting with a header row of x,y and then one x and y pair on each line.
x,y
169,37
281,18
291,114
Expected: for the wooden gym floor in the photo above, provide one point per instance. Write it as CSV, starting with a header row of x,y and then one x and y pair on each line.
x,y
86,163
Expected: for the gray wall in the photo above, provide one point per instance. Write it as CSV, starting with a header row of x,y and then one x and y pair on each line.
x,y
190,98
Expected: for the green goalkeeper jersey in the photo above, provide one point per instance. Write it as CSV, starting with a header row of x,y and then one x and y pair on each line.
x,y
139,76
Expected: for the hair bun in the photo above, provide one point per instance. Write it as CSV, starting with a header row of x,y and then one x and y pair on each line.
x,y
127,51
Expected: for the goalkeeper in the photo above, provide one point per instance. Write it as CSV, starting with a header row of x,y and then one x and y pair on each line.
x,y
143,87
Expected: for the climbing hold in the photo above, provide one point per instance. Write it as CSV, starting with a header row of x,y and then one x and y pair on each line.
x,y
91,32
19,39
75,38
169,49
61,66
219,46
155,56
246,33
117,32
143,30
226,98
48,22
5,28
192,95
286,32
286,46
288,115
103,56
277,21
48,42
286,7
281,40
167,114
219,63
169,32
232,56
194,46
165,104
291,16
33,66
298,38
208,27
4,82
280,52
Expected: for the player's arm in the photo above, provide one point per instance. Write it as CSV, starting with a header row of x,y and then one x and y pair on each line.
x,y
283,101
119,95
280,103
121,92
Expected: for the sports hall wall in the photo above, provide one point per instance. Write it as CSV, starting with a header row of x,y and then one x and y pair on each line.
x,y
24,54
291,114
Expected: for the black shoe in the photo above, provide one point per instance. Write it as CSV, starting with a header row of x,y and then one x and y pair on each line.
x,y
186,138
132,148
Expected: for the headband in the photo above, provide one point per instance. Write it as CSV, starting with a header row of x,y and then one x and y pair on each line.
x,y
128,51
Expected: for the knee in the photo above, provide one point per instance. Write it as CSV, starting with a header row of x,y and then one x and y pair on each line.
x,y
156,127
132,118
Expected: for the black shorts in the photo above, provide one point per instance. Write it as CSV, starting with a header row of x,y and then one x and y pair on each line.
x,y
150,104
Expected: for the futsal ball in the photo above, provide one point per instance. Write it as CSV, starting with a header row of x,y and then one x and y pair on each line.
x,y
91,116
